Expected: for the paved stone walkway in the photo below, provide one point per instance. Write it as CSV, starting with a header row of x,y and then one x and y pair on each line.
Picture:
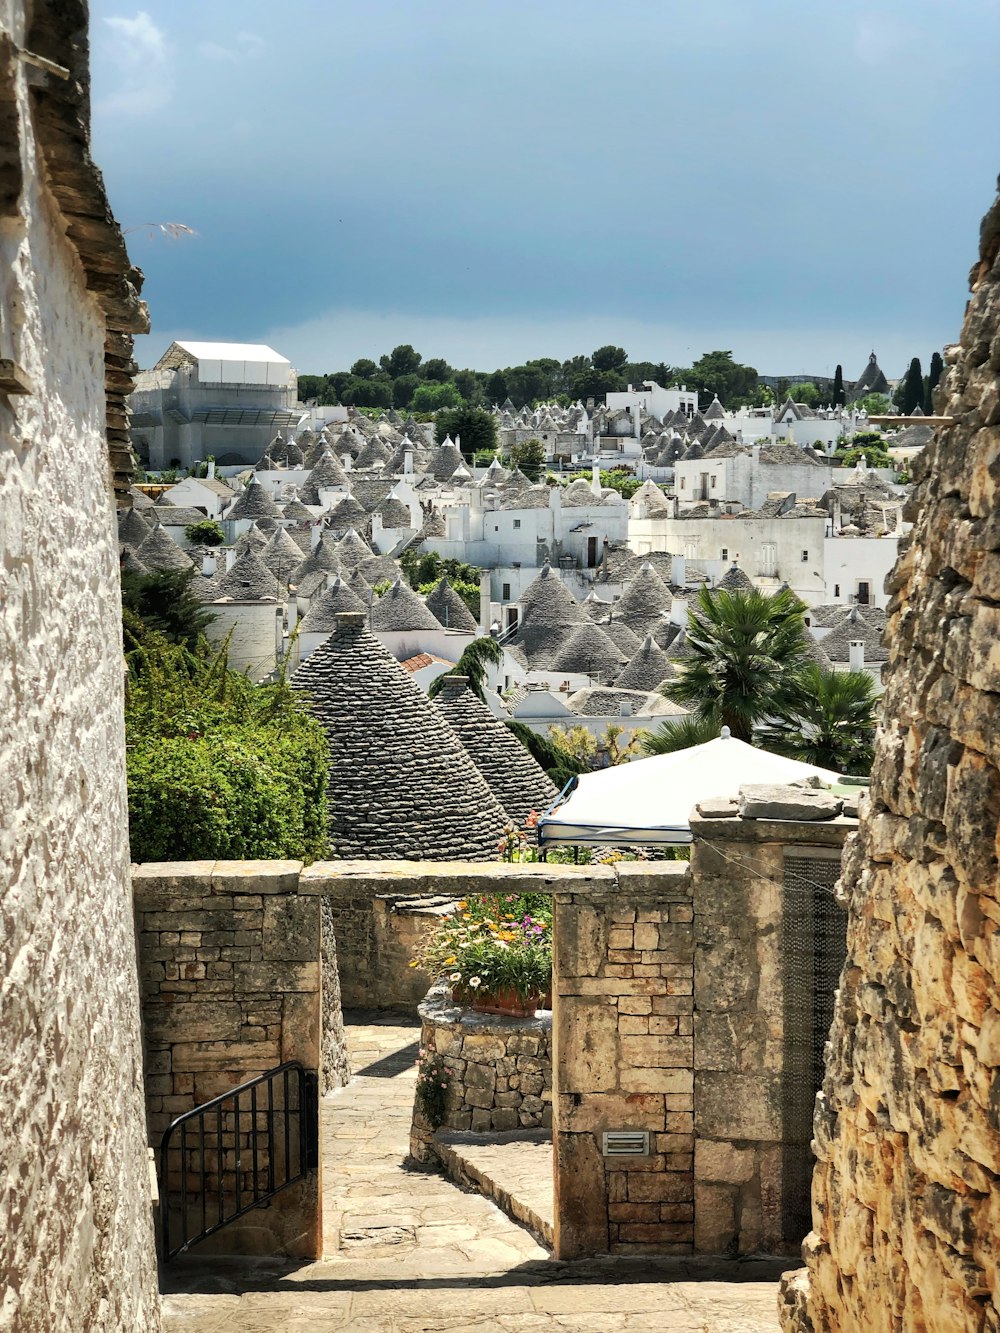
x,y
409,1252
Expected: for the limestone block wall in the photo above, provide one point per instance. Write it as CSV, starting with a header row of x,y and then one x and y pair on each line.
x,y
76,1236
623,1048
906,1192
230,965
500,1067
768,948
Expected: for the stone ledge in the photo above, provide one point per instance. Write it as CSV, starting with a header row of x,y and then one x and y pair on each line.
x,y
449,878
826,833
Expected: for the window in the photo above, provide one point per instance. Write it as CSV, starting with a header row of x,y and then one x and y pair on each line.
x,y
714,480
517,522
724,553
805,556
505,593
836,590
683,479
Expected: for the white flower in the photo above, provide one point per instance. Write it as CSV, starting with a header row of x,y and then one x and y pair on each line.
x,y
455,976
475,982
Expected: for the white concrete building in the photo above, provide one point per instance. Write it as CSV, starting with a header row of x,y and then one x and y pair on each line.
x,y
654,400
748,475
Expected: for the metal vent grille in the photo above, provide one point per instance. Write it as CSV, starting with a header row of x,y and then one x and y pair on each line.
x,y
626,1143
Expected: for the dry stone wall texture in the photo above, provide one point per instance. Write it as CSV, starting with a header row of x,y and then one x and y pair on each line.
x,y
906,1193
76,1236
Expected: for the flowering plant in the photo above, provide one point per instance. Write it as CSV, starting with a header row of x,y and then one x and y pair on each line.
x,y
493,943
433,1081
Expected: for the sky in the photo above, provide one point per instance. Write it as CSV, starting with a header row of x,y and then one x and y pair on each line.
x,y
507,179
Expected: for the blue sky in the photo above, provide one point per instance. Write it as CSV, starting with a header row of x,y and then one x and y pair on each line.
x,y
503,179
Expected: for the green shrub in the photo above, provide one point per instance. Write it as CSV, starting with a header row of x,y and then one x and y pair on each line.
x,y
205,533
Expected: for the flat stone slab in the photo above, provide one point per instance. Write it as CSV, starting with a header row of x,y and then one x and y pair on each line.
x,y
514,1170
767,801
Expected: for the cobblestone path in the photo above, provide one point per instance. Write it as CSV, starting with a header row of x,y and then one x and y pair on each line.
x,y
408,1252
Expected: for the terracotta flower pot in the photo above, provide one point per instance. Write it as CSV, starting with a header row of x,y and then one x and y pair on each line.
x,y
506,1001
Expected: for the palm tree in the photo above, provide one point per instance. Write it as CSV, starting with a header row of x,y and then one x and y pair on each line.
x,y
475,662
833,724
746,651
671,736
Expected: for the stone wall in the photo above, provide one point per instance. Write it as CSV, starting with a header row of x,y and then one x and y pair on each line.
x,y
769,944
230,965
906,1193
76,1236
623,1049
500,1067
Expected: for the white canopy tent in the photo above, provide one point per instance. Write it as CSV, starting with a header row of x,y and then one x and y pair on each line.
x,y
649,801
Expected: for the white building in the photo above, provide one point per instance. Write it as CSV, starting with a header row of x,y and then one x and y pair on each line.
x,y
653,400
223,399
748,475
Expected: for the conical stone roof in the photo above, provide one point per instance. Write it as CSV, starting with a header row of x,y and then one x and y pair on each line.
x,y
549,614
644,599
251,540
281,555
324,556
249,580
159,553
625,640
399,608
296,510
132,530
516,780
402,786
735,580
447,607
837,644
352,549
443,461
327,475
648,668
253,503
323,611
130,562
589,651
347,513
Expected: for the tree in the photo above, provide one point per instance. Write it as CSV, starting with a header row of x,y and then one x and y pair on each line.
x,y
496,388
874,404
475,427
913,388
205,533
671,736
366,393
529,456
437,369
475,662
467,382
403,389
364,369
747,649
839,393
431,397
833,722
717,373
933,379
594,383
807,393
609,358
402,360
164,602
311,386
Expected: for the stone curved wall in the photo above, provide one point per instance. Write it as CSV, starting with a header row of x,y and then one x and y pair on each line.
x,y
501,1068
906,1193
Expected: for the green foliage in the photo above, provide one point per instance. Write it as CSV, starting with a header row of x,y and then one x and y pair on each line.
x,y
467,589
807,393
217,767
747,650
933,379
431,397
475,662
615,479
832,724
839,393
913,388
718,373
403,389
875,404
475,428
609,358
164,602
875,455
433,1080
423,567
672,736
205,533
558,763
529,456
402,360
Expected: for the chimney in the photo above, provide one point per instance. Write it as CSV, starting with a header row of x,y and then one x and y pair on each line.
x,y
678,612
230,558
856,655
595,480
331,579
315,536
209,564
347,461
210,473
678,571
279,634
407,462
452,684
350,619
484,601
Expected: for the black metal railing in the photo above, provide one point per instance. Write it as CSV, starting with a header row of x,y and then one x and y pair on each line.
x,y
236,1152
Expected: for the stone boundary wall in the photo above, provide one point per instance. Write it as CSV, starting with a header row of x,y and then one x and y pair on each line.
x,y
501,1068
906,1193
229,963
753,1029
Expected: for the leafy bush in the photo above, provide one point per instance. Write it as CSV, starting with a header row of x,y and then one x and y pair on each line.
x,y
164,602
494,943
206,533
433,1079
217,767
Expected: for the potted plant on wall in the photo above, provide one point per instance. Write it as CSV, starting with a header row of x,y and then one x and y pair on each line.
x,y
496,953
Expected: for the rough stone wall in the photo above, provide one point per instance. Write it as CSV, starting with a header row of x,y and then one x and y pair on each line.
x,y
906,1197
753,1027
501,1068
229,958
76,1237
623,1049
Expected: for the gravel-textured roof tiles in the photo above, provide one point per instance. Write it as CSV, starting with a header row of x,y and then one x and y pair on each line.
x,y
399,608
736,580
447,607
323,610
325,556
402,786
253,503
589,651
394,514
249,580
516,780
625,640
327,475
159,552
602,701
132,529
837,644
129,561
648,668
443,461
549,613
644,598
370,492
296,510
281,555
352,549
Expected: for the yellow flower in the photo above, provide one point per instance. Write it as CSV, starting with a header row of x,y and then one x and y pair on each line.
x,y
448,961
